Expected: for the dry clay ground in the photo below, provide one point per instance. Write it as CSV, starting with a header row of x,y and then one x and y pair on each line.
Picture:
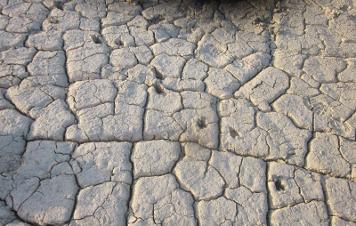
x,y
163,113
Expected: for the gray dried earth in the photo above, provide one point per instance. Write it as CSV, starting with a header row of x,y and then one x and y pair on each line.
x,y
170,113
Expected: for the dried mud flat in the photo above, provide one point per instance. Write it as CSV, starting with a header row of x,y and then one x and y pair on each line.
x,y
165,113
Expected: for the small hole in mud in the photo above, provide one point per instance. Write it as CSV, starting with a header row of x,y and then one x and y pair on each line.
x,y
232,132
58,5
258,20
279,185
201,123
159,75
118,42
261,21
96,39
53,20
198,4
159,89
155,20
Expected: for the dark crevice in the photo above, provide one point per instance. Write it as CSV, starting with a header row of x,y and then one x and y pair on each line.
x,y
158,88
53,20
96,39
58,5
233,132
278,184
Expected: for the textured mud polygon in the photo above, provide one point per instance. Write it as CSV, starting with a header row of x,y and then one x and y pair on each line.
x,y
173,113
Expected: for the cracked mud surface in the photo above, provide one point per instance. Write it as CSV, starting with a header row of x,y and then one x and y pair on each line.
x,y
162,113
